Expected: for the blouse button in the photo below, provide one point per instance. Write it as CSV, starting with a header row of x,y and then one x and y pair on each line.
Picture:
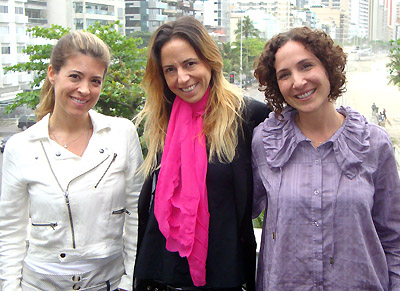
x,y
316,192
62,255
316,162
58,154
101,151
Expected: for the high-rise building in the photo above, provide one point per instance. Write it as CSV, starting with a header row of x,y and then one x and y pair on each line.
x,y
148,15
16,16
13,40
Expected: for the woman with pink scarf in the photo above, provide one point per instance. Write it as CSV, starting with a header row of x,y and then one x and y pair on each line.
x,y
195,227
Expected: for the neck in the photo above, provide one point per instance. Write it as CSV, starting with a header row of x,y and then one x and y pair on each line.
x,y
69,124
319,126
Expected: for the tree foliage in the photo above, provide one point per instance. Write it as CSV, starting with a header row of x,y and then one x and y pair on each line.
x,y
121,93
394,63
39,56
246,29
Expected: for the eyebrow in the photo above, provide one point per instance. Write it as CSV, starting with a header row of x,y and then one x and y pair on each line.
x,y
184,62
80,73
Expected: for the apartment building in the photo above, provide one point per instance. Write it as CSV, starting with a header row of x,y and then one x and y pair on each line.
x,y
16,16
148,15
13,40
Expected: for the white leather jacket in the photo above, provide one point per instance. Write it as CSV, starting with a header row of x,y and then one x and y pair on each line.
x,y
79,207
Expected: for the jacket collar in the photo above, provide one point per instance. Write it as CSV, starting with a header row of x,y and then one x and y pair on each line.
x,y
40,130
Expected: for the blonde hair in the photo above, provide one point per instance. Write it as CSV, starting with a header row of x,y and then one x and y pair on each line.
x,y
225,103
73,43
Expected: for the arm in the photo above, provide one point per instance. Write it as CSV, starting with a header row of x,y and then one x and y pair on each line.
x,y
260,193
134,182
14,218
386,209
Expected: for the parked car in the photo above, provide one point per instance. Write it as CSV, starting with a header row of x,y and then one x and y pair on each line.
x,y
3,143
26,121
364,55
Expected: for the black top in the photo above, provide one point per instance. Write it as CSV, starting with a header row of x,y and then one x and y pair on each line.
x,y
231,247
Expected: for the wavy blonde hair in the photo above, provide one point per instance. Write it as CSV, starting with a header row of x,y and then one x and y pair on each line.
x,y
73,43
225,103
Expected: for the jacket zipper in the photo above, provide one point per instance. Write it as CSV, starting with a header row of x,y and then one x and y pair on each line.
x,y
120,211
101,178
71,222
66,190
51,224
66,193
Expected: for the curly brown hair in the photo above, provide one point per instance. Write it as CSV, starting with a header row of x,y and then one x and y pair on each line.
x,y
316,41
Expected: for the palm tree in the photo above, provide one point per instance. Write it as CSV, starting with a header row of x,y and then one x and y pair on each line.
x,y
230,56
245,28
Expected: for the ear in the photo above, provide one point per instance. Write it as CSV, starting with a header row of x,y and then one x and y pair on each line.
x,y
51,74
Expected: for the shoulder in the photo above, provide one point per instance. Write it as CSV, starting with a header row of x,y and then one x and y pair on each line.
x,y
114,123
255,111
21,139
379,137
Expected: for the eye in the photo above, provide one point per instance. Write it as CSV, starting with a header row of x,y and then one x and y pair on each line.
x,y
168,70
283,76
307,66
74,76
97,82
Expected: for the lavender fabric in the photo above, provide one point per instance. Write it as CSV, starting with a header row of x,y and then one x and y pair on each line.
x,y
332,219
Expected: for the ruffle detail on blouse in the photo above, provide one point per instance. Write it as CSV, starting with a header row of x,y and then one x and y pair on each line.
x,y
352,145
350,142
279,138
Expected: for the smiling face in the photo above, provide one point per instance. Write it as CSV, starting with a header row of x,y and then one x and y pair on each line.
x,y
302,78
77,85
185,73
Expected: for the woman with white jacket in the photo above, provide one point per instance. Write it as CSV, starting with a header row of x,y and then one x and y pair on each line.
x,y
72,177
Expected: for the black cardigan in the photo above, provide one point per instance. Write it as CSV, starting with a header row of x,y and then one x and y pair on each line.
x,y
254,113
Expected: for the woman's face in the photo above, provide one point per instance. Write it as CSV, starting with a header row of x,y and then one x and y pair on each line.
x,y
77,85
185,73
302,78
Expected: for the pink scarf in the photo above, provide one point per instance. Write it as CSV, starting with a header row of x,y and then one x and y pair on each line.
x,y
181,204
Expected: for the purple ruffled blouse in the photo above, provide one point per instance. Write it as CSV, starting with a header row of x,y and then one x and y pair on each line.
x,y
332,214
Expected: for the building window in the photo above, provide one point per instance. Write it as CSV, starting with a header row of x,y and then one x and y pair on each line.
x,y
4,29
20,49
99,9
3,9
20,29
19,10
90,22
78,23
78,7
5,50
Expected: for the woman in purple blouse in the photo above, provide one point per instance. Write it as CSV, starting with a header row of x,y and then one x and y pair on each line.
x,y
326,178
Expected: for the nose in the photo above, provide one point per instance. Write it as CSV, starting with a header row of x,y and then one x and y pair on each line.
x,y
298,80
183,76
84,89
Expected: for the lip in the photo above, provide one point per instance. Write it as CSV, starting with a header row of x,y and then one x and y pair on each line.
x,y
79,100
193,85
306,94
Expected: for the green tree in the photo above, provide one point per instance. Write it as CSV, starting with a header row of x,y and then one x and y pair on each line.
x,y
230,56
121,94
394,62
246,29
